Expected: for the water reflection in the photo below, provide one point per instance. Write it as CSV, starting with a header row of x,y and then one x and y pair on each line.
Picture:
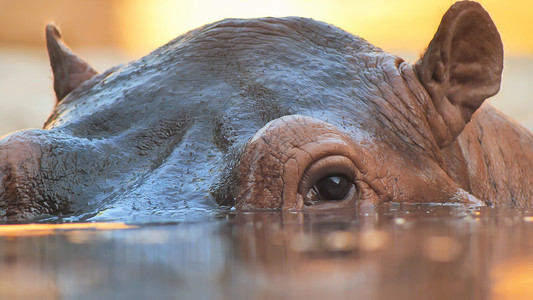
x,y
392,251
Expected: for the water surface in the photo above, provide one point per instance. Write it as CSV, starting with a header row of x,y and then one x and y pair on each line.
x,y
388,252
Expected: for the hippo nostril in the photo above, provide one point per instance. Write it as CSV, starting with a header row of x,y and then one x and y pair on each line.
x,y
3,196
2,189
20,188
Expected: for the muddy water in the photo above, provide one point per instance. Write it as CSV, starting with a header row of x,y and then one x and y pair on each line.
x,y
388,252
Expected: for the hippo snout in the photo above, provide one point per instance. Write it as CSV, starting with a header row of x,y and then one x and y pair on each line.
x,y
22,189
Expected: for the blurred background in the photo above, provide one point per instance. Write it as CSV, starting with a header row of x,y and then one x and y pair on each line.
x,y
110,32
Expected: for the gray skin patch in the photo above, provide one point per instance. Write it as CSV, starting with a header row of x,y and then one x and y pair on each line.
x,y
264,102
223,134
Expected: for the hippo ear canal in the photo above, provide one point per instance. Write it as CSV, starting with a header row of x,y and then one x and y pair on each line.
x,y
69,70
462,65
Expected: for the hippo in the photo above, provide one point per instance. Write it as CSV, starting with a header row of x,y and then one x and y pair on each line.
x,y
287,114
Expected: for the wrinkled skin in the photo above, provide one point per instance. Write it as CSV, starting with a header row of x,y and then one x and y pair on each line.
x,y
272,113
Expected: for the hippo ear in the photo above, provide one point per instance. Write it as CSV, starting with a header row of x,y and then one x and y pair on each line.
x,y
461,67
69,70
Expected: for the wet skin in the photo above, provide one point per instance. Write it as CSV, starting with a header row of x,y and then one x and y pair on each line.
x,y
287,113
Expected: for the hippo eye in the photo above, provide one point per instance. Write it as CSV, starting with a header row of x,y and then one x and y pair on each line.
x,y
330,188
333,188
329,180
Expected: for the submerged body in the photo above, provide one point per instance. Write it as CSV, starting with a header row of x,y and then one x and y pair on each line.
x,y
272,113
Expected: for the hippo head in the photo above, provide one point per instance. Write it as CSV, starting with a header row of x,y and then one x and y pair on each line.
x,y
268,113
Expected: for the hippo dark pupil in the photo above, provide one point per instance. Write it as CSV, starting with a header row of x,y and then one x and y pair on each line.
x,y
333,188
